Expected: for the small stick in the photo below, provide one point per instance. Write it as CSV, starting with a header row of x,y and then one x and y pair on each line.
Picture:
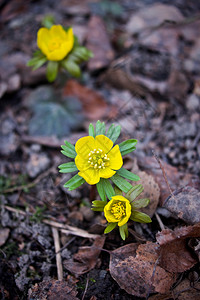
x,y
63,227
162,226
57,251
86,287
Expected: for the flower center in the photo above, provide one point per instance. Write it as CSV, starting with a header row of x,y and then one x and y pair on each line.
x,y
97,159
54,44
118,210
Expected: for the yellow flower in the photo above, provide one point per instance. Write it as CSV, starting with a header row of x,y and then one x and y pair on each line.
x,y
118,210
55,42
96,158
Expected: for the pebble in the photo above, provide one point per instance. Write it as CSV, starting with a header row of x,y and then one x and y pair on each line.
x,y
193,102
37,163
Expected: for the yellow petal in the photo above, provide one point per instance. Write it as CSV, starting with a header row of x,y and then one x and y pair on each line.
x,y
70,39
84,145
115,157
90,175
43,39
106,173
109,216
103,142
58,32
81,163
128,213
120,198
123,220
57,54
108,205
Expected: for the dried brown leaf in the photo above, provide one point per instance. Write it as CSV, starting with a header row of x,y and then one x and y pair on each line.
x,y
151,191
94,105
135,269
86,258
185,204
175,255
98,42
153,15
183,291
175,179
53,289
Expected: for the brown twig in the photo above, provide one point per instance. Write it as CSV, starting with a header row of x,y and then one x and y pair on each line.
x,y
58,254
70,230
86,287
162,226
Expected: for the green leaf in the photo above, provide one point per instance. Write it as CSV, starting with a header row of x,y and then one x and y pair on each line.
x,y
80,54
140,217
98,205
68,167
110,227
127,146
123,230
74,182
97,208
100,127
70,149
117,191
48,21
91,130
101,190
113,132
140,203
36,62
71,67
134,192
127,174
121,183
108,189
52,70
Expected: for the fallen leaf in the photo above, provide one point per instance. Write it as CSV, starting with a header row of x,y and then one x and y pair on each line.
x,y
151,191
162,39
185,204
4,233
175,255
178,85
86,258
183,291
98,42
136,271
94,105
13,9
153,15
53,289
53,115
175,178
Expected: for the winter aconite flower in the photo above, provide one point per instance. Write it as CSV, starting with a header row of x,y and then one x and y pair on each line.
x,y
97,158
118,210
55,42
98,161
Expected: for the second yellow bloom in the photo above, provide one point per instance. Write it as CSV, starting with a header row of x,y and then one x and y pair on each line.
x,y
55,42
